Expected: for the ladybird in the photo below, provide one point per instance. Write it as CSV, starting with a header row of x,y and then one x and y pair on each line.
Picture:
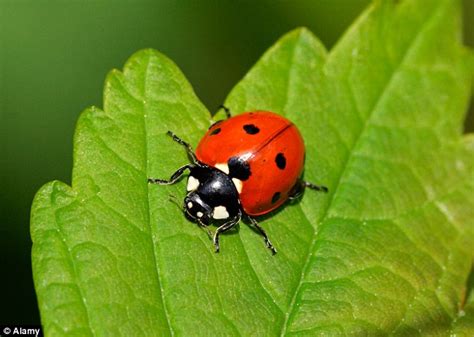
x,y
244,166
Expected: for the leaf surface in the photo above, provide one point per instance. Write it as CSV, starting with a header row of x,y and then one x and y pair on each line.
x,y
387,251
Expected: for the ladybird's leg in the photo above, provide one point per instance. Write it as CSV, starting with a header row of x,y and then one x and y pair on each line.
x,y
307,184
227,111
186,145
223,228
227,114
174,178
262,232
297,190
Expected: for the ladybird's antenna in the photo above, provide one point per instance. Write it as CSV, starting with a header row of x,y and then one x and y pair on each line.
x,y
201,224
175,201
204,227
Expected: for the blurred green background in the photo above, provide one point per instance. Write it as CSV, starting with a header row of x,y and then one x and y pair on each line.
x,y
55,54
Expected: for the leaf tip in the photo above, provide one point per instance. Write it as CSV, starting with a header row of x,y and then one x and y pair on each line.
x,y
302,30
49,189
146,53
49,195
302,35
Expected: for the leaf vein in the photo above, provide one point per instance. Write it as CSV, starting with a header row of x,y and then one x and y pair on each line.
x,y
76,275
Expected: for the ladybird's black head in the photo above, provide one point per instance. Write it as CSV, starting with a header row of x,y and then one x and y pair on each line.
x,y
212,196
197,209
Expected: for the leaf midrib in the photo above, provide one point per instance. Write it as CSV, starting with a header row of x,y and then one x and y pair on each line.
x,y
149,215
362,131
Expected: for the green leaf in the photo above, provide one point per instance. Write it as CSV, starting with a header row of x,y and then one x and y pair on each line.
x,y
387,251
463,324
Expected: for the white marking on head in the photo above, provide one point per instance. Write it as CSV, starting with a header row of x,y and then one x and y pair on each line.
x,y
220,212
190,204
223,167
193,184
238,184
199,214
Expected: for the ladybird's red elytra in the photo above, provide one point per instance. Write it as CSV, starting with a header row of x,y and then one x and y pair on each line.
x,y
272,148
246,165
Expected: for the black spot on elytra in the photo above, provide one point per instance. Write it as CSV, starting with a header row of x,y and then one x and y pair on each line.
x,y
280,160
215,131
251,129
275,197
239,168
215,123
